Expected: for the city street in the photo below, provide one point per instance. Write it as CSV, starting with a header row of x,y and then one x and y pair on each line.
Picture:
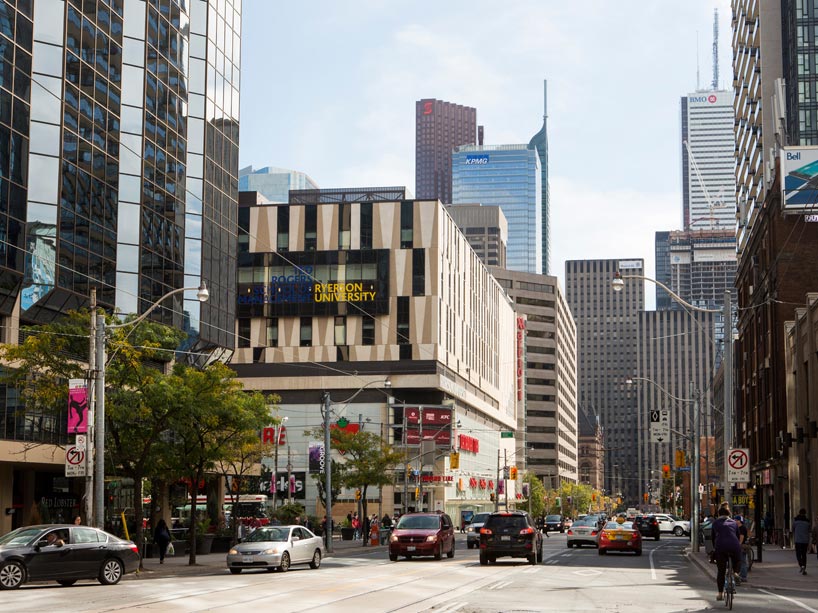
x,y
359,580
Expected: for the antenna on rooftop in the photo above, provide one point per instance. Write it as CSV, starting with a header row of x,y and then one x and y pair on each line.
x,y
697,60
715,83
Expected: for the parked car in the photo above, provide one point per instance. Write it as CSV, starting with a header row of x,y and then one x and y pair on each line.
x,y
554,523
648,526
473,529
673,524
583,532
619,536
510,534
276,547
422,534
64,553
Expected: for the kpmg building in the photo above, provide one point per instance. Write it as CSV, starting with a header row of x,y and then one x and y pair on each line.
x,y
119,140
507,176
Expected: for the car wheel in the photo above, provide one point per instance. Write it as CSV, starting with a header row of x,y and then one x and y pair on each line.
x,y
469,545
284,566
656,538
602,552
492,560
237,571
66,582
408,557
316,560
562,530
393,557
532,559
570,545
539,556
439,552
638,552
12,575
484,560
450,554
678,531
111,572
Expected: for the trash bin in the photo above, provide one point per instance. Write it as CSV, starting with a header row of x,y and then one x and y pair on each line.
x,y
385,536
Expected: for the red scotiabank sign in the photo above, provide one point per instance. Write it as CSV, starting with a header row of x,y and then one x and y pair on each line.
x,y
520,357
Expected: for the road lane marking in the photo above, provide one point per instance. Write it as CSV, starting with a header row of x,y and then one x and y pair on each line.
x,y
652,566
792,600
451,608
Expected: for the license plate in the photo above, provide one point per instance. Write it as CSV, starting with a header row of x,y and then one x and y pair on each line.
x,y
505,538
410,549
247,559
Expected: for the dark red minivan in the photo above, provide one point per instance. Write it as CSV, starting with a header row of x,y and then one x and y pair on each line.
x,y
422,534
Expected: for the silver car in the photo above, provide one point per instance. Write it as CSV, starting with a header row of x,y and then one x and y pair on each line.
x,y
473,529
583,532
276,547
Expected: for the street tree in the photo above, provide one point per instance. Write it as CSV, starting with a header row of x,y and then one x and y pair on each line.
x,y
536,494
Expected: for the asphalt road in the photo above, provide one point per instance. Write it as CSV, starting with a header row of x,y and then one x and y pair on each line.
x,y
660,581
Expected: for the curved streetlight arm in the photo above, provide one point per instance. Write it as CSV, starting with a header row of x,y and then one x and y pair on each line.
x,y
201,293
385,383
618,282
630,380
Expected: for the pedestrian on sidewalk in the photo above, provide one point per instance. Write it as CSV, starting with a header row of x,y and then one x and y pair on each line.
x,y
742,538
356,524
726,545
813,547
161,536
801,530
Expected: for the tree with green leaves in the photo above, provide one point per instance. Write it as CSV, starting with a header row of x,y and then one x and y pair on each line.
x,y
536,494
368,461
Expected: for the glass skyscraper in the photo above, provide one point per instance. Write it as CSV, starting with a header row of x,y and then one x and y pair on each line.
x,y
508,176
274,183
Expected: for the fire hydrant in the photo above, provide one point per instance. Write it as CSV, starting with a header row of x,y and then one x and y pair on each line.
x,y
373,534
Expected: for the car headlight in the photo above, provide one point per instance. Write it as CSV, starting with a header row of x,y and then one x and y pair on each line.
x,y
431,538
470,529
272,551
233,552
393,538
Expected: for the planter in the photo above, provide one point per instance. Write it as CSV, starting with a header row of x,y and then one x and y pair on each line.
x,y
222,544
347,534
181,548
204,543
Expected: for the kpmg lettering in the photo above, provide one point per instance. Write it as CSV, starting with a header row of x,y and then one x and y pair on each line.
x,y
477,159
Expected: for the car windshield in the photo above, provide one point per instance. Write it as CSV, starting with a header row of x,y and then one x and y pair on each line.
x,y
21,536
268,534
612,525
674,518
480,518
418,522
552,518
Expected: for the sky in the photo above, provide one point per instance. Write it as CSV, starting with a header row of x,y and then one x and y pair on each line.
x,y
328,88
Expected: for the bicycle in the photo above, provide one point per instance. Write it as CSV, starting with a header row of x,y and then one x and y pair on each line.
x,y
729,584
751,556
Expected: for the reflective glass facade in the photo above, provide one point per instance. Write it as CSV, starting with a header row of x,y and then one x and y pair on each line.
x,y
507,176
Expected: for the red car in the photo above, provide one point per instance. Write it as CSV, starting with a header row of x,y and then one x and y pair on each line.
x,y
619,536
422,534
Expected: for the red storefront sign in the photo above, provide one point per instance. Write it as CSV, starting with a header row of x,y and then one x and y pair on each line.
x,y
472,482
437,479
431,416
520,357
441,437
469,443
482,484
268,435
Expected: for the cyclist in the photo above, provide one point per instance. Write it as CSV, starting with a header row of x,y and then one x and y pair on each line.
x,y
726,545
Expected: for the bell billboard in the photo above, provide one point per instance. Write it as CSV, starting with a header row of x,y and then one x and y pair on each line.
x,y
799,184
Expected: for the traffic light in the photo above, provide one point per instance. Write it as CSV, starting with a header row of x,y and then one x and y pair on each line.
x,y
645,496
454,460
558,501
357,494
666,470
491,496
512,473
680,458
417,492
593,497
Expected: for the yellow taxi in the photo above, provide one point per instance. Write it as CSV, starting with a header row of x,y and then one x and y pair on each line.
x,y
619,535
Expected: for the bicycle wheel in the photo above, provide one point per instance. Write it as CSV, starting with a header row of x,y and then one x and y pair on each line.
x,y
729,585
751,557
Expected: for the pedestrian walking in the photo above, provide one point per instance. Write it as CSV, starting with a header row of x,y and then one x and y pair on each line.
x,y
356,525
801,530
743,534
813,547
161,536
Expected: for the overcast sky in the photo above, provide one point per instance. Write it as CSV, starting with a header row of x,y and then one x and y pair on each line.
x,y
329,88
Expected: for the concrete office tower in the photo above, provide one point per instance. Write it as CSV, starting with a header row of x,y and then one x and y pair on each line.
x,y
439,128
548,438
676,350
486,229
507,176
120,170
607,323
273,183
709,195
540,141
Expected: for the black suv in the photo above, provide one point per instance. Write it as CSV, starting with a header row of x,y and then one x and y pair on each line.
x,y
648,525
512,534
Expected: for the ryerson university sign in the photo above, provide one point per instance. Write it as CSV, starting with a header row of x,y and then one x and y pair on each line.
x,y
302,289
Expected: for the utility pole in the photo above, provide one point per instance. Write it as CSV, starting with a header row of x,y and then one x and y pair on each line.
x,y
327,472
728,386
99,426
89,440
497,484
696,477
420,461
505,470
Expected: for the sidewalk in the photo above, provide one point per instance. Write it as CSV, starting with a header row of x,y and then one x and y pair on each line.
x,y
215,563
778,571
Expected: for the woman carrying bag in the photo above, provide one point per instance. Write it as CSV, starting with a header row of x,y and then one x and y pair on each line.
x,y
161,536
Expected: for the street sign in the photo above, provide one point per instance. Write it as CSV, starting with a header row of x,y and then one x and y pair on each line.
x,y
74,462
80,444
506,435
659,425
738,466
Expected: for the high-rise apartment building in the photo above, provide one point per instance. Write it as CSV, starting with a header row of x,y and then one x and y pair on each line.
x,y
708,176
607,324
440,127
540,141
507,176
119,144
274,183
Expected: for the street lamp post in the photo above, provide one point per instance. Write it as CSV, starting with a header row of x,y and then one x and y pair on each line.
x,y
618,283
277,431
99,410
326,404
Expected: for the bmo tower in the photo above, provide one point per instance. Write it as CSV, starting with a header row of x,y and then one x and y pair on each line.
x,y
439,128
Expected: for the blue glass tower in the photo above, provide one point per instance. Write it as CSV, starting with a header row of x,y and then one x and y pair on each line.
x,y
508,176
540,141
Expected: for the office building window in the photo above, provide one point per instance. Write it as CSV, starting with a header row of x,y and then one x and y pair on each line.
x,y
418,272
366,225
340,330
306,332
310,227
406,224
272,332
403,320
283,234
344,225
244,332
367,331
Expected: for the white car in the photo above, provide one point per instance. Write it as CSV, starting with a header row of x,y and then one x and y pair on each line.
x,y
583,532
671,523
276,547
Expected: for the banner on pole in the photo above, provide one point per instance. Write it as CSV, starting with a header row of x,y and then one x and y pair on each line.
x,y
77,406
316,456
